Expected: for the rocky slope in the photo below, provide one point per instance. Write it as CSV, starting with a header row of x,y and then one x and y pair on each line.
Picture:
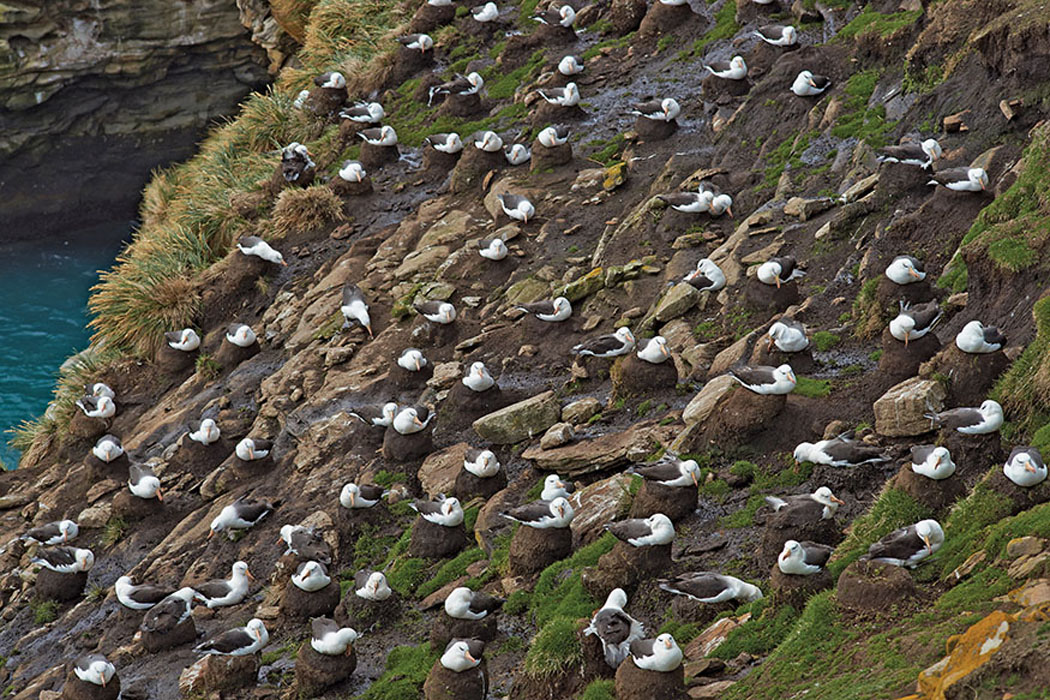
x,y
805,182
96,95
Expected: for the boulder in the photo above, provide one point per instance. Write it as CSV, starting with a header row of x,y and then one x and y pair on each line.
x,y
297,604
314,672
520,421
701,406
900,412
433,541
580,411
443,684
76,689
464,405
899,360
599,504
680,299
52,585
676,502
609,451
794,590
532,550
439,470
867,586
633,683
805,209
632,376
557,435
214,673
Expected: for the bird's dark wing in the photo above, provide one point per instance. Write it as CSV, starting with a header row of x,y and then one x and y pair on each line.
x,y
817,554
320,626
630,529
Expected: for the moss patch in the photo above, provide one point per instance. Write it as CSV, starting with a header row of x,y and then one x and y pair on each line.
x,y
406,670
812,388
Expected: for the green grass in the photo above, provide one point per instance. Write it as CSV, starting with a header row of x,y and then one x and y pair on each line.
x,y
725,27
600,690
207,367
113,531
765,480
812,388
893,509
759,635
859,121
870,21
825,340
683,632
44,611
554,648
406,670
1024,391
450,571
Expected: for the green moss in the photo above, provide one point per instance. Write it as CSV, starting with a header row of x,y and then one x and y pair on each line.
x,y
744,468
500,86
1012,254
559,591
725,27
450,570
955,276
812,388
964,528
664,43
517,603
893,509
744,517
44,611
610,150
871,22
612,43
825,340
857,120
761,634
600,690
683,632
555,648
387,479
406,670
407,575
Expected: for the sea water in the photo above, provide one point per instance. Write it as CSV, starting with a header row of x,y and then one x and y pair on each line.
x,y
43,315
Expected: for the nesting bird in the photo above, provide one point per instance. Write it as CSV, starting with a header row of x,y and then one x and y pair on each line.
x,y
417,42
654,350
379,416
59,532
219,593
542,515
822,503
462,655
808,85
205,432
142,597
913,322
551,311
352,171
904,269
932,461
516,207
688,202
1025,467
570,65
912,153
803,558
97,406
908,546
478,378
250,449
445,143
311,576
143,483
379,136
440,312
976,338
469,84
364,113
371,585
568,96
709,587
777,34
788,335
465,604
780,270
412,359
669,471
239,515
840,452
707,277
554,487
562,16
253,245
614,628
660,654
733,69
553,136
409,421
107,448
487,141
443,511
240,334
240,641
655,530
485,13
94,669
328,638
765,380
518,154
65,560
492,249
622,342
185,340
664,110
987,418
961,179
354,496
355,308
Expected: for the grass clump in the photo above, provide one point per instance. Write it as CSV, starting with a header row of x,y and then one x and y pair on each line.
x,y
306,209
812,388
600,690
207,367
857,120
725,27
44,611
554,648
869,21
113,531
825,340
406,670
683,632
450,571
1024,391
761,634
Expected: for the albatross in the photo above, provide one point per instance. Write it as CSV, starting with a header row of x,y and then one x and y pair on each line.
x,y
354,496
688,202
779,270
240,334
240,515
417,42
205,432
615,344
169,612
764,379
311,576
372,585
664,110
707,277
364,113
492,249
478,378
219,593
58,532
976,338
65,560
434,311
908,546
469,84
568,96
961,179
562,16
381,416
819,505
551,310
355,308
553,136
328,638
412,359
142,482
710,587
253,245
788,335
1025,467
669,471
95,669
240,641
807,84
733,69
911,153
445,142
904,269
553,487
412,419
932,461
987,418
465,604
840,451
803,558
516,207
185,340
462,654
542,515
660,654
379,136
614,628
108,448
481,463
655,530
777,34
444,511
913,322
250,449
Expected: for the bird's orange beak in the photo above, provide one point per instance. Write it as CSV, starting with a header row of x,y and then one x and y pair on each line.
x,y
349,649
369,329
906,336
668,644
418,422
929,547
470,658
838,500
211,534
778,281
353,499
913,273
696,482
160,496
249,575
284,263
1030,468
784,555
418,366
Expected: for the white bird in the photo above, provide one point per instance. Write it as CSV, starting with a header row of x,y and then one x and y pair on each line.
x,y
822,499
440,3
568,96
94,669
553,136
839,452
440,312
688,202
554,487
911,153
487,141
610,345
241,335
654,350
219,593
97,406
660,654
970,421
905,270
518,154
779,270
543,515
352,171
462,655
670,472
807,84
570,65
932,462
978,339
551,311
371,585
412,360
664,110
333,80
99,389
65,560
485,13
364,113
655,530
417,42
707,277
803,558
328,638
614,628
378,416
721,204
961,179
59,532
469,84
241,641
913,322
788,335
445,143
355,308
361,496
709,587
563,16
481,463
443,511
311,576
253,245
407,421
185,340
250,449
379,136
1025,467
478,378
239,515
108,448
465,604
206,433
778,35
495,249
908,546
516,207
733,69
765,380
143,483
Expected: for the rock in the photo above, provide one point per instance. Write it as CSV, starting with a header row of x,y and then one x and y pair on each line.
x,y
229,355
580,411
532,550
213,673
444,684
1025,546
701,406
584,286
867,586
739,415
51,585
314,672
676,502
557,435
609,451
433,541
599,504
676,302
97,515
633,683
710,690
519,421
632,376
439,470
716,633
900,412
297,604
1010,108
970,651
806,209
956,122
76,689
794,590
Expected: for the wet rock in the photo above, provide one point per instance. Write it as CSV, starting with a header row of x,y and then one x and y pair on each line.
x,y
444,684
874,587
297,604
936,494
676,502
521,420
76,689
51,585
794,590
633,683
213,673
969,377
557,435
605,452
900,412
632,376
597,505
532,550
314,672
900,360
434,541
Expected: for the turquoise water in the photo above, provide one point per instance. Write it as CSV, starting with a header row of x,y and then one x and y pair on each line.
x,y
43,315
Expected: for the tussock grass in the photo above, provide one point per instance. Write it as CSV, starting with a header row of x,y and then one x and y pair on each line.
x,y
305,210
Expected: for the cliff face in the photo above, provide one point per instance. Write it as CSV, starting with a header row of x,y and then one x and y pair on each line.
x,y
93,95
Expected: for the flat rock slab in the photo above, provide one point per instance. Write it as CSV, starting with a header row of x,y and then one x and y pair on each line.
x,y
520,421
606,452
901,411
